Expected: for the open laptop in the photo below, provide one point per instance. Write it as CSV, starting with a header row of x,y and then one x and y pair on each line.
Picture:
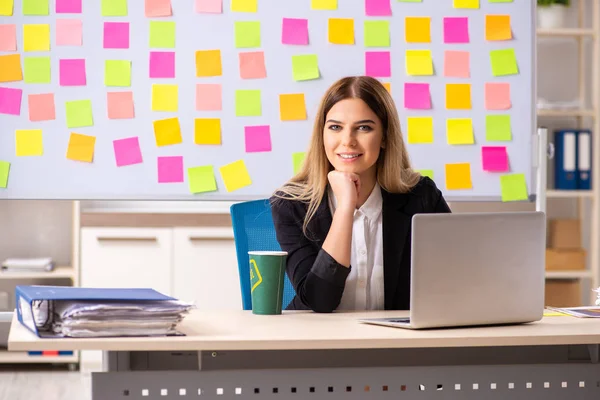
x,y
475,269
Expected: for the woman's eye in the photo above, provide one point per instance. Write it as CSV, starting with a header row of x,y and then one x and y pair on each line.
x,y
365,128
334,127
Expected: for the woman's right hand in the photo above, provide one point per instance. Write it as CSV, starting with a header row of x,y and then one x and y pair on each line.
x,y
346,187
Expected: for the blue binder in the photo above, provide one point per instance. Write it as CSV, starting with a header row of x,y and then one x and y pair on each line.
x,y
565,160
584,159
31,301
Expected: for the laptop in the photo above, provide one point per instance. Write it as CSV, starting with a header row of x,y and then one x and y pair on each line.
x,y
473,269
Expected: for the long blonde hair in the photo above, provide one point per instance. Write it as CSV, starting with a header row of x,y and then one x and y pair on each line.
x,y
394,171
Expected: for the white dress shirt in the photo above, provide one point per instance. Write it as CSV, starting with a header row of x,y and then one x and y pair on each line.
x,y
364,288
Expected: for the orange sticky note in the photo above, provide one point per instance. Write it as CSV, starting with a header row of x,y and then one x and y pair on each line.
x,y
208,63
29,142
388,86
81,147
497,27
417,29
341,30
207,131
10,68
458,96
167,132
292,107
41,107
458,176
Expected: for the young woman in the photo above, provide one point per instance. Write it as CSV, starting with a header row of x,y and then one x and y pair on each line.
x,y
345,218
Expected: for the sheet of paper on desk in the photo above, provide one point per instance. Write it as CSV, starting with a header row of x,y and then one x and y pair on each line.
x,y
581,312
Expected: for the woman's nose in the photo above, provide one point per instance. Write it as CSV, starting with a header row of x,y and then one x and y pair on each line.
x,y
348,138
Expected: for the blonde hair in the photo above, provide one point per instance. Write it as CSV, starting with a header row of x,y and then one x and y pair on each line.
x,y
394,171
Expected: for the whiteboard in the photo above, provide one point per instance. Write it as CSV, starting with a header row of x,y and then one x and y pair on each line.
x,y
54,176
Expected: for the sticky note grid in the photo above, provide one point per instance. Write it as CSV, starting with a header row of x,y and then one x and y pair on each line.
x,y
211,116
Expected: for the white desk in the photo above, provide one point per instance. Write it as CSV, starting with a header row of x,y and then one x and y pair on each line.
x,y
303,355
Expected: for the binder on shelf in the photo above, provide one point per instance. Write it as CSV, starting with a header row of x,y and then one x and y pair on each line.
x,y
565,160
584,159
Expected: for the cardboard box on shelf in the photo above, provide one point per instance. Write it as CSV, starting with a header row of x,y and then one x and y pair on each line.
x,y
563,293
564,234
565,260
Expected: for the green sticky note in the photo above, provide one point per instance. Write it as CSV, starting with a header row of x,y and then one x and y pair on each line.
x,y
305,67
497,128
36,7
79,113
504,62
513,187
247,34
202,179
247,103
4,170
114,8
162,34
377,33
117,73
297,160
426,172
37,69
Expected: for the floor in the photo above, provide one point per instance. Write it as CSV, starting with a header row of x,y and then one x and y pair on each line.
x,y
19,382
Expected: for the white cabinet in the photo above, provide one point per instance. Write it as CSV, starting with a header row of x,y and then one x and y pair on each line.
x,y
127,257
205,268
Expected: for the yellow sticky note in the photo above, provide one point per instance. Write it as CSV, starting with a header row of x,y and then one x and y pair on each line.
x,y
164,97
29,142
81,147
292,107
167,132
497,27
208,63
207,131
420,130
10,68
244,5
458,96
235,175
458,176
549,313
417,29
6,7
36,37
466,3
460,131
323,4
513,187
419,62
341,30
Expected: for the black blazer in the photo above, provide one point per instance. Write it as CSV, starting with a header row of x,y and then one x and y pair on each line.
x,y
318,279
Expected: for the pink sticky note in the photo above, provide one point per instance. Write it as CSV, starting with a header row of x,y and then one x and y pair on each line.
x,y
456,64
170,169
68,32
208,97
209,6
10,101
116,35
416,96
41,107
72,72
162,64
127,151
68,6
158,8
120,105
456,30
378,8
377,64
497,96
8,37
258,138
494,158
294,31
252,65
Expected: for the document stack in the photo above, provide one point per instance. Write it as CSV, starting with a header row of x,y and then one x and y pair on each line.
x,y
28,265
56,311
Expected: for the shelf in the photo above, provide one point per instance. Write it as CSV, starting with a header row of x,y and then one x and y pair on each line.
x,y
575,274
569,194
21,357
566,113
59,272
565,32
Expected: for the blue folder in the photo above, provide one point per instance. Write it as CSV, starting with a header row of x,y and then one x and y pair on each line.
x,y
566,174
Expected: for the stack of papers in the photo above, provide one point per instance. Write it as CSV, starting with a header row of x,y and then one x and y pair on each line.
x,y
28,264
581,312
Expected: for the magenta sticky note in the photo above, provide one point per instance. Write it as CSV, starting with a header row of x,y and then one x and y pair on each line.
x,y
69,32
294,31
68,6
162,64
127,151
258,138
116,35
170,169
378,64
494,158
416,96
456,30
378,8
72,72
10,101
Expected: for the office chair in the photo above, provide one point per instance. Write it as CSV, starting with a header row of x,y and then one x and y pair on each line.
x,y
253,230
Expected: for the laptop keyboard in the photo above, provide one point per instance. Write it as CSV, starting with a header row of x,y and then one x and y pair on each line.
x,y
401,320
